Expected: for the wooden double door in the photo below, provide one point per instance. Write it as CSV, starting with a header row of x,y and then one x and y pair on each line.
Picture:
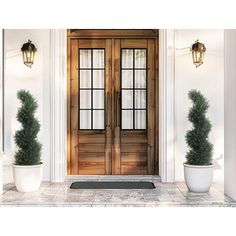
x,y
112,106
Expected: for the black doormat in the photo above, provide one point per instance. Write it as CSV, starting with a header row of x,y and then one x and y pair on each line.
x,y
112,185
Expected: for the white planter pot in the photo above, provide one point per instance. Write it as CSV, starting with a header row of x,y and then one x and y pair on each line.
x,y
198,178
28,178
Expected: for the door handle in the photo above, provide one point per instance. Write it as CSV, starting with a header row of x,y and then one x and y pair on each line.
x,y
107,110
117,110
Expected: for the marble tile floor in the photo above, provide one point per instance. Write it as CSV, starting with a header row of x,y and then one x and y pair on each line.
x,y
164,195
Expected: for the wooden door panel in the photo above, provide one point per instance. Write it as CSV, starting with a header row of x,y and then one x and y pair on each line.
x,y
108,108
135,148
151,106
116,157
96,157
134,43
91,147
112,150
91,163
134,163
74,107
129,137
92,43
133,169
134,157
90,138
92,169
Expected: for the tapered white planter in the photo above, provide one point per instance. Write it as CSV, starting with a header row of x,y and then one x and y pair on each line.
x,y
28,178
198,178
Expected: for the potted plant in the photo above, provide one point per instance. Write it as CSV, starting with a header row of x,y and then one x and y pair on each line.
x,y
27,169
198,169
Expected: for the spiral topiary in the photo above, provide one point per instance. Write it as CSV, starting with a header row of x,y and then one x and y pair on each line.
x,y
200,152
29,149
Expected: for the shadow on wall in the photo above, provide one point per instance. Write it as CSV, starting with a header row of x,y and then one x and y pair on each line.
x,y
209,79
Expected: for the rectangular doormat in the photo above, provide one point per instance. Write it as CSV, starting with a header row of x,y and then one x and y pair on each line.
x,y
112,185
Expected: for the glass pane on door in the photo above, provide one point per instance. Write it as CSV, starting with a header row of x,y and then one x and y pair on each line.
x,y
85,58
85,119
140,119
98,79
127,58
91,89
127,119
140,79
127,79
133,89
85,79
140,58
85,99
98,58
98,99
98,121
140,99
127,99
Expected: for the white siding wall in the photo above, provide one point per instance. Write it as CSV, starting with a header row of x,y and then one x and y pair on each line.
x,y
209,79
36,80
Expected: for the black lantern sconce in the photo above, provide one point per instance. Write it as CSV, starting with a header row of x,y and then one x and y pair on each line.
x,y
198,52
28,52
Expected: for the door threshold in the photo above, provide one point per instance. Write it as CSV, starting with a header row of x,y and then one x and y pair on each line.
x,y
113,177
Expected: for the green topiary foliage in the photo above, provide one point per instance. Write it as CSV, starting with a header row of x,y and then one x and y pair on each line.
x,y
200,152
29,151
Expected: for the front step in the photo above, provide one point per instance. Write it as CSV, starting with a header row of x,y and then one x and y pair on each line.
x,y
70,178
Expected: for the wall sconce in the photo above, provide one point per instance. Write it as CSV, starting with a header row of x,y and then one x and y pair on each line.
x,y
28,52
198,52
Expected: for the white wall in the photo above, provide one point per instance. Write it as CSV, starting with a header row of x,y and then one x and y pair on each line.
x,y
36,80
230,114
209,79
1,70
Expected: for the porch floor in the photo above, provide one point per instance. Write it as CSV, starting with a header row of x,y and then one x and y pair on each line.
x,y
59,194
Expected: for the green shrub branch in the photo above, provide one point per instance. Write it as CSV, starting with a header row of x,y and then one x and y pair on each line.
x,y
29,149
200,149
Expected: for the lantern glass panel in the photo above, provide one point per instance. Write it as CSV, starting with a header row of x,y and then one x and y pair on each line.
x,y
198,57
28,57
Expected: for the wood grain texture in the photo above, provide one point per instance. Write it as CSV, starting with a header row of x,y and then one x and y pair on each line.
x,y
92,169
133,170
113,33
92,43
112,151
74,168
134,43
94,141
68,108
151,106
156,106
116,82
108,141
93,137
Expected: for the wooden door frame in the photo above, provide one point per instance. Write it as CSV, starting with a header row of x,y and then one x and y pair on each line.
x,y
113,35
58,105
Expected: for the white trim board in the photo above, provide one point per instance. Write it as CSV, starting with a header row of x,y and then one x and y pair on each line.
x,y
167,105
230,114
1,115
58,105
